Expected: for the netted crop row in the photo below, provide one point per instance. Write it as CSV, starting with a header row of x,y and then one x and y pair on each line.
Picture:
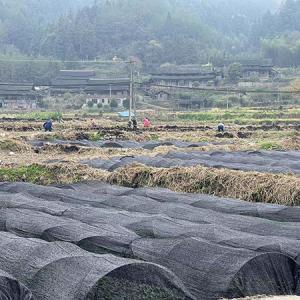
x,y
233,249
260,161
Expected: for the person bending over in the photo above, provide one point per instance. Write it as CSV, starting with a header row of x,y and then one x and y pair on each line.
x,y
221,127
48,125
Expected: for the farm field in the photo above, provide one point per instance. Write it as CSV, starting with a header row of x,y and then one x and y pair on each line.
x,y
176,211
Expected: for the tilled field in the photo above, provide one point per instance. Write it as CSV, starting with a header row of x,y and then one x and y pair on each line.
x,y
97,241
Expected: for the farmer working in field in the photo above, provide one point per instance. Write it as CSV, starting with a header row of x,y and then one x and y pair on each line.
x,y
221,127
147,123
48,125
134,123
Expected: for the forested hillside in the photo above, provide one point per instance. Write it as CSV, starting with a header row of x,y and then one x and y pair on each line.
x,y
154,31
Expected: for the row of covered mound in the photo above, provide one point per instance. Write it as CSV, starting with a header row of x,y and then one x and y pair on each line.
x,y
121,144
96,241
260,161
61,270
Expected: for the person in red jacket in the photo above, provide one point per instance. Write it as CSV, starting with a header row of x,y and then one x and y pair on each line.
x,y
147,123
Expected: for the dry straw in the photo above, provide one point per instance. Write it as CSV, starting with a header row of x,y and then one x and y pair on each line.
x,y
249,186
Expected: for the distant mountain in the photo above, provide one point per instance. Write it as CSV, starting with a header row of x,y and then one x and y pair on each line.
x,y
230,16
45,9
154,31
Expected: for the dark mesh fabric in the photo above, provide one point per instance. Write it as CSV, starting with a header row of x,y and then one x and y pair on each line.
x,y
185,212
218,247
211,271
166,228
100,188
63,271
225,205
12,289
97,193
150,145
104,238
260,161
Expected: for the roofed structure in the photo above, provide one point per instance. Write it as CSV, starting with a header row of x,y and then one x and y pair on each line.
x,y
189,78
72,81
113,87
262,68
85,81
18,95
77,73
104,91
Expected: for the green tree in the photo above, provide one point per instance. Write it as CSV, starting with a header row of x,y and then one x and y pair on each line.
x,y
90,104
113,103
234,72
126,104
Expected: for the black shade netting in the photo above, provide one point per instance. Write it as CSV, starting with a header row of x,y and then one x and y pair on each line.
x,y
61,270
12,289
211,271
260,161
105,238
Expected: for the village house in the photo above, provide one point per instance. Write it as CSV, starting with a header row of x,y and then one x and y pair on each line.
x,y
71,81
256,70
18,96
162,96
104,91
185,78
97,91
252,69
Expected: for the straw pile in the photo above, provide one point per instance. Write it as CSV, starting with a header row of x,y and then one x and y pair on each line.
x,y
14,145
66,173
249,186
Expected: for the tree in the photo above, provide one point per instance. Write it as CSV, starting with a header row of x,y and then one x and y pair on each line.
x,y
126,103
90,104
234,72
113,103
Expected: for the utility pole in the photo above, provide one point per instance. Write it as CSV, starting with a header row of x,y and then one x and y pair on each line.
x,y
135,98
131,90
227,103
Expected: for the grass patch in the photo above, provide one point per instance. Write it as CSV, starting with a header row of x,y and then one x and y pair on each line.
x,y
154,137
249,186
243,116
270,146
97,136
39,116
61,173
33,173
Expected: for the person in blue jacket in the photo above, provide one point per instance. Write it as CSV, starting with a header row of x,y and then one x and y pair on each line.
x,y
48,125
221,127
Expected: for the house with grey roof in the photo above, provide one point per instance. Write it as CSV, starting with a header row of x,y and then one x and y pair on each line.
x,y
18,96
